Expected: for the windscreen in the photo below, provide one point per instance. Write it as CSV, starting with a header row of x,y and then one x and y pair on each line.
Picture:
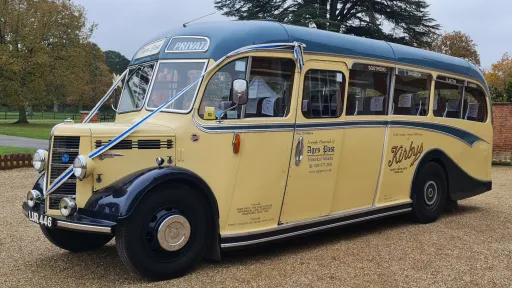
x,y
171,78
135,88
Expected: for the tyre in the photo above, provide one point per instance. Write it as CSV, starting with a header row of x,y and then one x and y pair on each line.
x,y
451,205
429,193
167,234
75,241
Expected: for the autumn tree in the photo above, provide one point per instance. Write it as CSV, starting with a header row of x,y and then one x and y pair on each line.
x,y
409,21
44,54
499,79
116,61
456,44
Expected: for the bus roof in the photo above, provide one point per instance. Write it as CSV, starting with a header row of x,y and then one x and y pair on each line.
x,y
226,36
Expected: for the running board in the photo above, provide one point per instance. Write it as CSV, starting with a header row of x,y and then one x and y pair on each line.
x,y
228,241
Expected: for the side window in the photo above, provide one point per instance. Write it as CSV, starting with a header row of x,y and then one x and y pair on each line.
x,y
474,104
447,97
217,93
368,90
322,95
270,87
411,95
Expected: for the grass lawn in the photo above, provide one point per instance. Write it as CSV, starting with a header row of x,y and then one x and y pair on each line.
x,y
31,130
8,150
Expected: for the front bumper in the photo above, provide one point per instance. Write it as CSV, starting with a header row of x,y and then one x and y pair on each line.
x,y
76,222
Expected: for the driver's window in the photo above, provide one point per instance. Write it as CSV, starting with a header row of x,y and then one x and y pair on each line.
x,y
216,97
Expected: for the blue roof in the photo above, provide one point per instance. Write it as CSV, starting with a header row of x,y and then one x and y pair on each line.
x,y
227,36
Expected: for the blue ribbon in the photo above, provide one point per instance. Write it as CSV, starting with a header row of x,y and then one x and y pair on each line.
x,y
298,51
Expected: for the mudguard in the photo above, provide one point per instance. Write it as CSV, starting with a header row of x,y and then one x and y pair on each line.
x,y
117,201
461,185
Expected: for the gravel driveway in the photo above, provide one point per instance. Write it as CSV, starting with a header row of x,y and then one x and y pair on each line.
x,y
467,248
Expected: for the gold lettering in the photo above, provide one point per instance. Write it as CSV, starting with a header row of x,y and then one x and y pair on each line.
x,y
401,153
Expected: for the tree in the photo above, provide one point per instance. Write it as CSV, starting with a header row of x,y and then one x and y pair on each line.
x,y
456,44
409,21
44,54
499,79
116,62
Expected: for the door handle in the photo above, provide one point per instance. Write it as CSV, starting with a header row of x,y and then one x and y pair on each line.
x,y
299,150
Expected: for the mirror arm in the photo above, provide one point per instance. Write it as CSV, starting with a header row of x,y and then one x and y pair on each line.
x,y
224,112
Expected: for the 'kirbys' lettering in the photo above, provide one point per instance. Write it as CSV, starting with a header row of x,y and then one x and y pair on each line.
x,y
401,153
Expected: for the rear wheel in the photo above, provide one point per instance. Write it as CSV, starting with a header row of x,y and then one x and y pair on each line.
x,y
167,233
429,193
75,241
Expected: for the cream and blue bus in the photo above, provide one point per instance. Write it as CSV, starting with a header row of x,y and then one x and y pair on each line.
x,y
233,134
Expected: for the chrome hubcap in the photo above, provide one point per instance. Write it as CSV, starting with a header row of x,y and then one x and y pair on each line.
x,y
430,192
173,233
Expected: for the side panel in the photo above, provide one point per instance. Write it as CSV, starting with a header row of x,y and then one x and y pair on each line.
x,y
359,168
260,181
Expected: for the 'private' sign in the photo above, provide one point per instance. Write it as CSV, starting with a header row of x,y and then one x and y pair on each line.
x,y
188,44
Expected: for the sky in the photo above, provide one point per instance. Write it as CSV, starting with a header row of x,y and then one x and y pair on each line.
x,y
126,25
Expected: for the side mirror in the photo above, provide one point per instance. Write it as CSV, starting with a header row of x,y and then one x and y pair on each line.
x,y
239,91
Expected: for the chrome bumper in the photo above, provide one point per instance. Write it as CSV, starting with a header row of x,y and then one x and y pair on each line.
x,y
76,222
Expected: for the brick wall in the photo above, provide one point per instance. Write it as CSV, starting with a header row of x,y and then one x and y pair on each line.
x,y
502,146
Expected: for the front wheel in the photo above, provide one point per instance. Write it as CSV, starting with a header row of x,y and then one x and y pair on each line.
x,y
75,241
429,193
167,233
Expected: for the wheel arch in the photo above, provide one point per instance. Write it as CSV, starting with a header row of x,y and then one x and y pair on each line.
x,y
117,201
460,184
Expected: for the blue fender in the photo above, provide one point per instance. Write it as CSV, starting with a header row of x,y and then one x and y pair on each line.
x,y
118,200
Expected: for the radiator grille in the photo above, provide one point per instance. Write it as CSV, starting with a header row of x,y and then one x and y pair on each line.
x,y
64,151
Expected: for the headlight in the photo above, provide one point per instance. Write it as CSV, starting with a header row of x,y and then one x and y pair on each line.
x,y
39,159
33,198
67,206
80,167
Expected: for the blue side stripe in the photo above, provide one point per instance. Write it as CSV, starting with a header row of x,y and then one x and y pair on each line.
x,y
463,135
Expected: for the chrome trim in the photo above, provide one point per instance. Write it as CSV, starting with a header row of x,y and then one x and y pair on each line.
x,y
188,51
325,218
314,229
382,163
204,128
83,227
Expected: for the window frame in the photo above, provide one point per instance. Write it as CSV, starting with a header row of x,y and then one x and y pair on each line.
x,y
247,78
453,81
365,66
392,96
486,97
147,91
342,95
199,84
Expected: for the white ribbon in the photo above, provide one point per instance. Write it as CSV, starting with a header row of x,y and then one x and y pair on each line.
x,y
298,52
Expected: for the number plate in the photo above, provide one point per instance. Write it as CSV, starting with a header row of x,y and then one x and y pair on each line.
x,y
40,219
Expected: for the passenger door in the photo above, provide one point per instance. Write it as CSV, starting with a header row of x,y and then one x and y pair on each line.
x,y
316,148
